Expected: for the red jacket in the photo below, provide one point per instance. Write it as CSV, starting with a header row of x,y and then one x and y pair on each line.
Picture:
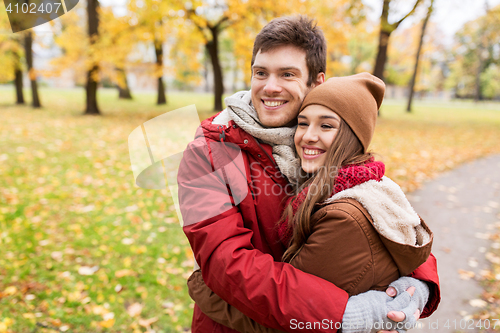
x,y
230,212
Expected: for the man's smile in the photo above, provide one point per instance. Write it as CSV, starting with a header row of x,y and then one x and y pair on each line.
x,y
273,103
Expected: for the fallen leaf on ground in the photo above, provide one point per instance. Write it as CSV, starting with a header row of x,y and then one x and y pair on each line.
x,y
491,257
57,255
472,262
477,303
466,275
107,323
108,316
55,322
147,322
134,309
86,270
9,291
125,272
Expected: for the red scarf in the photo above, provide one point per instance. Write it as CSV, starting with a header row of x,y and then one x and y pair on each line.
x,y
348,176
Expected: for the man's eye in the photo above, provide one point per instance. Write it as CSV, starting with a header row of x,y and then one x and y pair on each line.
x,y
288,74
259,73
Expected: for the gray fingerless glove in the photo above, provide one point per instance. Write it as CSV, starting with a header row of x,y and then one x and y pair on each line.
x,y
367,312
421,294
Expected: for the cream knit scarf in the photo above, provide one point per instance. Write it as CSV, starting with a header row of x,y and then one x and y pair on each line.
x,y
242,112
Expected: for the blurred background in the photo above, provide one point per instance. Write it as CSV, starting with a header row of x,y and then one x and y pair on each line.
x,y
83,249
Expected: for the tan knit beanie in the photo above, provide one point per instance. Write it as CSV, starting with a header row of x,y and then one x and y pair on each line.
x,y
355,98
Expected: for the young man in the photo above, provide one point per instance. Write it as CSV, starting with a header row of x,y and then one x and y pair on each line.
x,y
234,180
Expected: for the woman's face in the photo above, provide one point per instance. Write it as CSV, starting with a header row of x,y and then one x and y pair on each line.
x,y
317,127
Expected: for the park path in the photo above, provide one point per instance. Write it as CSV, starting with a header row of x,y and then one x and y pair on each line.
x,y
462,208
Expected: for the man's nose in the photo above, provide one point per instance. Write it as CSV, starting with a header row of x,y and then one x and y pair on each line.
x,y
272,85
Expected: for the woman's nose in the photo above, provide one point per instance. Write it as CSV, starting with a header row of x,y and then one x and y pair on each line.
x,y
310,135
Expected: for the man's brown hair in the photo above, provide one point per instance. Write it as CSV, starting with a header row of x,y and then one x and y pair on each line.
x,y
299,31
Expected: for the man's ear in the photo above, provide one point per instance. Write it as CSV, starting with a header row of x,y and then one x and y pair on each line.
x,y
319,79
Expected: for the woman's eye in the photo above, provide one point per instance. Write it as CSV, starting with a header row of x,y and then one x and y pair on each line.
x,y
327,126
302,124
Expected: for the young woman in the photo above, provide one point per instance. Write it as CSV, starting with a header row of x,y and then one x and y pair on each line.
x,y
348,223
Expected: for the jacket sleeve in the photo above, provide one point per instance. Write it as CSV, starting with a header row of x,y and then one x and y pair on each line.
x,y
428,272
219,310
272,293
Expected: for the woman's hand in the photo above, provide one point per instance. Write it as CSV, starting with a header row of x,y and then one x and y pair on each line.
x,y
399,316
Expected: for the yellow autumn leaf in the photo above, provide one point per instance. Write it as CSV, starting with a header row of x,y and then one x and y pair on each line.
x,y
125,272
29,315
107,323
4,325
9,291
466,275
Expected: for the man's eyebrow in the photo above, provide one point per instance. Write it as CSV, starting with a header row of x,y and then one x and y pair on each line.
x,y
280,69
289,68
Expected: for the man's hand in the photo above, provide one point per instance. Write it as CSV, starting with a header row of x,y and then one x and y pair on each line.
x,y
373,310
399,316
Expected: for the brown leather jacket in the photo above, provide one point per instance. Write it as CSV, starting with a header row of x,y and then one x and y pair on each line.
x,y
343,248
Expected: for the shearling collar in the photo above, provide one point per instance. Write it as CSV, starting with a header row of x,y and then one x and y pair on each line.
x,y
392,214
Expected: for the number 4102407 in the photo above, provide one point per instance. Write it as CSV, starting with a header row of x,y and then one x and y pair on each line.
x,y
471,324
33,9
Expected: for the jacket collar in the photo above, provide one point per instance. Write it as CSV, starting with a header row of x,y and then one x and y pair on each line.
x,y
232,133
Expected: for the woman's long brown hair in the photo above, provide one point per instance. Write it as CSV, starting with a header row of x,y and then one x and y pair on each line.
x,y
345,149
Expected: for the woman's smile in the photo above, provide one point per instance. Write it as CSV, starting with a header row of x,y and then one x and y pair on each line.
x,y
311,152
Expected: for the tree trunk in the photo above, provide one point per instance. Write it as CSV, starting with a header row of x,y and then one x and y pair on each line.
x,y
481,61
383,43
386,29
162,99
91,86
235,76
477,93
205,72
123,92
417,57
91,92
28,52
213,50
18,81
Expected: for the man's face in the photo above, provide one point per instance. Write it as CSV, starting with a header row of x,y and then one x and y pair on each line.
x,y
279,85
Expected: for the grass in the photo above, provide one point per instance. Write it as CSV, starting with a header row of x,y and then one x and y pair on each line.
x,y
417,146
82,249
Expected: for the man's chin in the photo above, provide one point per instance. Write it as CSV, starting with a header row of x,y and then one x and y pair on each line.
x,y
276,122
275,118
